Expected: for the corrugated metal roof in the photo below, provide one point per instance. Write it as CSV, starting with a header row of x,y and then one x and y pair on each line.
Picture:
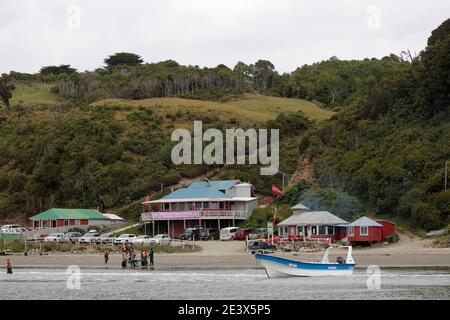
x,y
203,190
364,222
57,213
299,206
218,184
112,216
312,218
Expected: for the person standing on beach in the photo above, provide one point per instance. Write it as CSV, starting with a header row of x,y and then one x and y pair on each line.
x,y
124,251
106,255
8,266
151,256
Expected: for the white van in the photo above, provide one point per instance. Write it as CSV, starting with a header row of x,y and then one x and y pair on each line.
x,y
228,233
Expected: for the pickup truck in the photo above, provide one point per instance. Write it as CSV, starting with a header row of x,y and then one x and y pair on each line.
x,y
261,246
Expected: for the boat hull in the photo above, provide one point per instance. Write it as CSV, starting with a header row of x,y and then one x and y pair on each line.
x,y
280,267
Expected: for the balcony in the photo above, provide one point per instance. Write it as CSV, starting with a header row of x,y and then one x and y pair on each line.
x,y
193,215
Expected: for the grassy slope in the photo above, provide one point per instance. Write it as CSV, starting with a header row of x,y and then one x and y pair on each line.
x,y
247,109
34,93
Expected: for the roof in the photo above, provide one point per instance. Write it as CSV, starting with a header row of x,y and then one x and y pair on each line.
x,y
112,216
364,222
56,213
312,218
203,191
299,206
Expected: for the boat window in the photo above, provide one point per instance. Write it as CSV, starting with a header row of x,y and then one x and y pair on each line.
x,y
364,231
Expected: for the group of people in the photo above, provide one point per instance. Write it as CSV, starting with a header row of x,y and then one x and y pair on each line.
x,y
128,254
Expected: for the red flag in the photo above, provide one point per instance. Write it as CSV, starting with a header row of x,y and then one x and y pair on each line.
x,y
276,191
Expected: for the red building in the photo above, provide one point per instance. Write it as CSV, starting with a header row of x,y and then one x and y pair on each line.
x,y
365,230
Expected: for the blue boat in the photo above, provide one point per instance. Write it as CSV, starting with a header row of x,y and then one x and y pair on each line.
x,y
281,267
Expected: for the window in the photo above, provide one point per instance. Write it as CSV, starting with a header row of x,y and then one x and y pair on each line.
x,y
364,231
300,231
189,206
66,223
322,230
215,205
351,231
205,205
166,206
198,206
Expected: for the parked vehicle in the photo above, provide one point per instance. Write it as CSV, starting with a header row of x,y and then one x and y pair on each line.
x,y
209,234
141,240
261,246
228,233
9,228
191,234
160,239
124,238
72,237
242,234
258,233
55,237
105,238
89,237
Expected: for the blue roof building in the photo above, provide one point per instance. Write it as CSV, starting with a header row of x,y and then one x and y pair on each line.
x,y
212,204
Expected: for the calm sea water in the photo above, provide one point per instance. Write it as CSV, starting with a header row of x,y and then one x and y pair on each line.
x,y
219,284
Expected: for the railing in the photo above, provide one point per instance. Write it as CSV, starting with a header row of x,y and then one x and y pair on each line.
x,y
189,215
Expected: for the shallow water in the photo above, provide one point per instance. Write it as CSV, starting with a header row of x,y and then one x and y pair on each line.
x,y
219,284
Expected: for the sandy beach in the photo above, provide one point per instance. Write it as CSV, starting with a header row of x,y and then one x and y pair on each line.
x,y
408,252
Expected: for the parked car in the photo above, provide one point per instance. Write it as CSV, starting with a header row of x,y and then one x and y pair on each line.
x,y
55,237
258,233
141,240
191,234
105,238
160,239
9,228
228,233
261,246
242,234
209,234
72,237
89,237
124,238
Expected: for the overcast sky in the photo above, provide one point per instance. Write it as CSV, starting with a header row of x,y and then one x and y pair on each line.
x,y
290,33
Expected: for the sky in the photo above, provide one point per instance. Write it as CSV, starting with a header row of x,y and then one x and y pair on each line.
x,y
290,33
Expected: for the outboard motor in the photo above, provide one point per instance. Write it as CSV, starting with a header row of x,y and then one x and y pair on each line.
x,y
340,260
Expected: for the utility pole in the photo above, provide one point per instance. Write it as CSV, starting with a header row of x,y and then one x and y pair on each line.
x,y
283,175
446,175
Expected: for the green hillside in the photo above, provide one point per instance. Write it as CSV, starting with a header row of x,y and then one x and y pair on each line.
x,y
357,137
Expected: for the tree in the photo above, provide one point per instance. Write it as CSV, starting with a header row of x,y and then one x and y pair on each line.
x,y
6,89
123,58
264,72
55,70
